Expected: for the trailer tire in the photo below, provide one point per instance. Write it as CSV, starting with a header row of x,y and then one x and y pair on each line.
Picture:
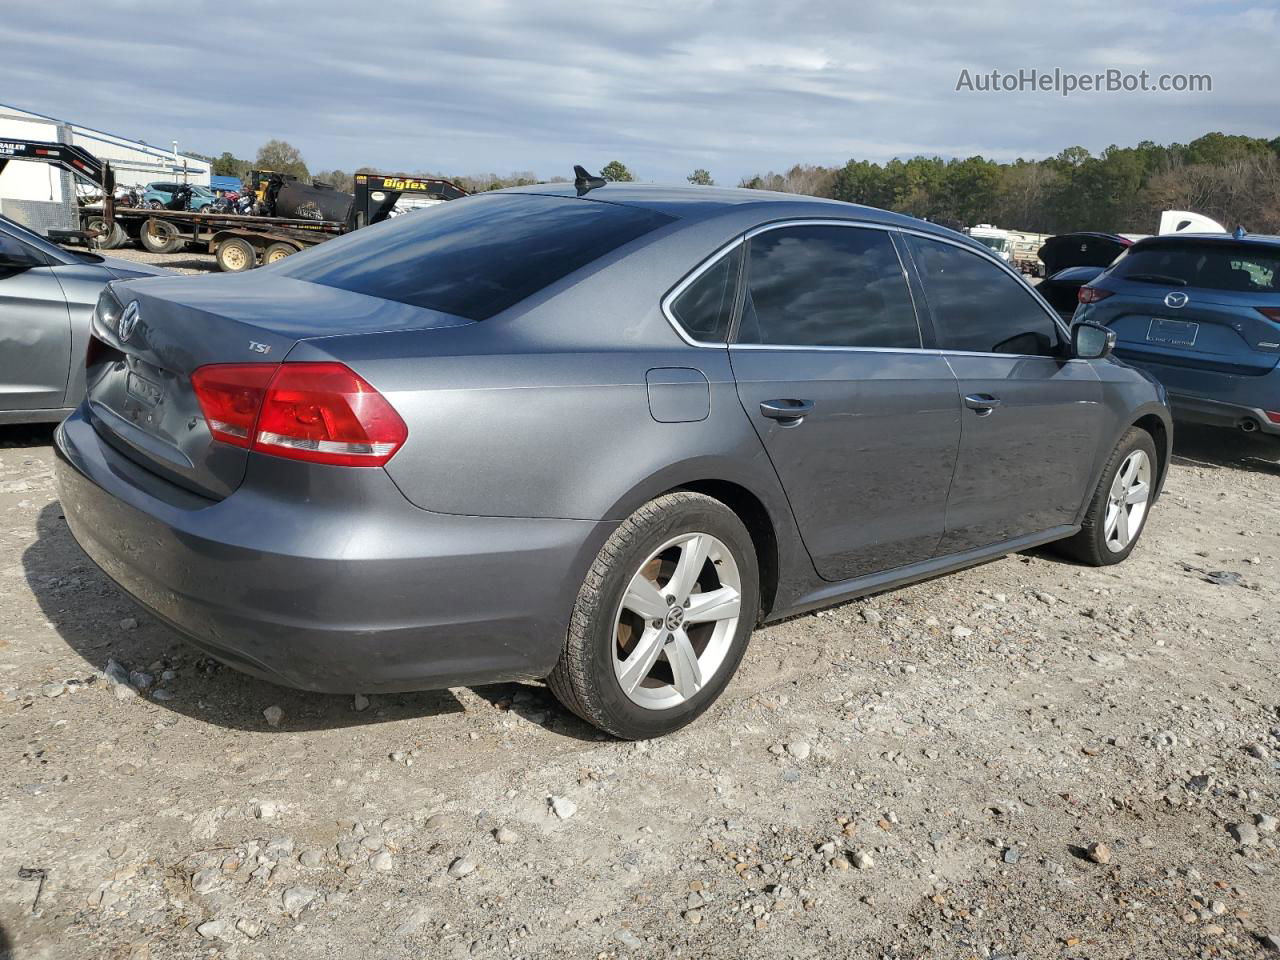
x,y
164,239
235,255
109,237
278,251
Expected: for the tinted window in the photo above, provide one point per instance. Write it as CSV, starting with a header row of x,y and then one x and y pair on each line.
x,y
977,306
473,257
704,307
14,252
827,286
1234,267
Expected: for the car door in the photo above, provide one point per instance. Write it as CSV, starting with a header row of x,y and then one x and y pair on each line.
x,y
35,329
861,423
1032,416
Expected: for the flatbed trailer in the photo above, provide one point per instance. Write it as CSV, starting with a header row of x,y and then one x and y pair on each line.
x,y
237,241
240,242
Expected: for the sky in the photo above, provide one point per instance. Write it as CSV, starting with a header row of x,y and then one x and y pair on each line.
x,y
733,86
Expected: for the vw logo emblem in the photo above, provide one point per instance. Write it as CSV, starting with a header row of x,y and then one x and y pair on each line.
x,y
129,320
1176,299
675,618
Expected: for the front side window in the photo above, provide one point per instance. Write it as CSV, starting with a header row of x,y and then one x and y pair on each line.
x,y
978,307
827,286
703,309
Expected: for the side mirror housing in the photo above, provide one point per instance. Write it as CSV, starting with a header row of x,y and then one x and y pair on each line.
x,y
1092,341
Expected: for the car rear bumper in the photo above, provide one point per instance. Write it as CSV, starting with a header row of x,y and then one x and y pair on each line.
x,y
1213,397
1215,413
328,580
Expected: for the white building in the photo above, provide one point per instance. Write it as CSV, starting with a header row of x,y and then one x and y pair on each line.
x,y
43,197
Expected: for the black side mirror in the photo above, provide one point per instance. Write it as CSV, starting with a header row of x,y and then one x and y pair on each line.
x,y
1092,341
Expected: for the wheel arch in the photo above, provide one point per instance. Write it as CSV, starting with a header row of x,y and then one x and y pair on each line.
x,y
1162,435
750,509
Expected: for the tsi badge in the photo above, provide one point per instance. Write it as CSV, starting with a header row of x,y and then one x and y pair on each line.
x,y
128,320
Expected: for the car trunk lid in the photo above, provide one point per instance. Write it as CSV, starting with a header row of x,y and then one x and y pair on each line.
x,y
139,368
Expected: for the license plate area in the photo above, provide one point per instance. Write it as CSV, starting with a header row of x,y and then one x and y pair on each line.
x,y
140,388
1172,333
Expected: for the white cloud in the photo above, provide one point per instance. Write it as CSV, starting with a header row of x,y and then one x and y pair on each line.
x,y
737,86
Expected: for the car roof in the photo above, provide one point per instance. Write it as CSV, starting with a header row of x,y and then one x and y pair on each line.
x,y
691,203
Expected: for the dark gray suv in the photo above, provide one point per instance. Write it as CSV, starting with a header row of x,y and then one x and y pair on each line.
x,y
593,438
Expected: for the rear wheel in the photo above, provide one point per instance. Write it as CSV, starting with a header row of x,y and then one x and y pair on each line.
x,y
110,234
662,620
159,236
236,254
277,251
1117,513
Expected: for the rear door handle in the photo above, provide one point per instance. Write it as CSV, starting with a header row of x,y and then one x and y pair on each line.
x,y
984,403
787,412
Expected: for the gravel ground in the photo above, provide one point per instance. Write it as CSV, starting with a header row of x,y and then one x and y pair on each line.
x,y
188,261
1028,759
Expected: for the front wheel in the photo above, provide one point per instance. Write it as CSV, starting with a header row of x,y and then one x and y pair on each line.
x,y
1117,514
662,620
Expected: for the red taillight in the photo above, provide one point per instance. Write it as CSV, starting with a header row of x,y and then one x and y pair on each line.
x,y
327,413
230,396
1271,313
1091,294
1273,415
321,412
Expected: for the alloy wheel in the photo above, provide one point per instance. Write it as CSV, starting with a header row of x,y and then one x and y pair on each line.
x,y
1127,501
676,621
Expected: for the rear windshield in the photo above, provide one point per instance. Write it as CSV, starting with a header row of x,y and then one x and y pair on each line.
x,y
1237,268
474,257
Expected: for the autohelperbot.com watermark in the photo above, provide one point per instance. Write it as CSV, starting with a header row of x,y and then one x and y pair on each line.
x,y
1065,82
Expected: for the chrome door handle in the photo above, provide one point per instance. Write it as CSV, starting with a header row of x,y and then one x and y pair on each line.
x,y
786,412
984,403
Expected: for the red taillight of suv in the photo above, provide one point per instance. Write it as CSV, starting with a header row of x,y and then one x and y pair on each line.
x,y
1091,294
1271,313
320,412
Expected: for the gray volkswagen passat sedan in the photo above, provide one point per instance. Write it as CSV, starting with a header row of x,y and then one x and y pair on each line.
x,y
595,439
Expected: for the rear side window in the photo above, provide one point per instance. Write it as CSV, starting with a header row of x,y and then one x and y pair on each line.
x,y
1232,267
475,257
705,307
977,307
827,286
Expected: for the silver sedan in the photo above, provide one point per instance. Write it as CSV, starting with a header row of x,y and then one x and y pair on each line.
x,y
47,295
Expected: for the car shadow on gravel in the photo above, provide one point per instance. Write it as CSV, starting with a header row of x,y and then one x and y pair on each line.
x,y
26,435
1196,446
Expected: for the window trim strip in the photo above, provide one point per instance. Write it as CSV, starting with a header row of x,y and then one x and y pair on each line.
x,y
891,229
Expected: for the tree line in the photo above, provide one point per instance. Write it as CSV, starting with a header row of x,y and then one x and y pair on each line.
x,y
1234,179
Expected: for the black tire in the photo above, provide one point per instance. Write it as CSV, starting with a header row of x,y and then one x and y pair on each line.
x,y
277,251
110,234
235,255
584,679
160,236
1090,545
